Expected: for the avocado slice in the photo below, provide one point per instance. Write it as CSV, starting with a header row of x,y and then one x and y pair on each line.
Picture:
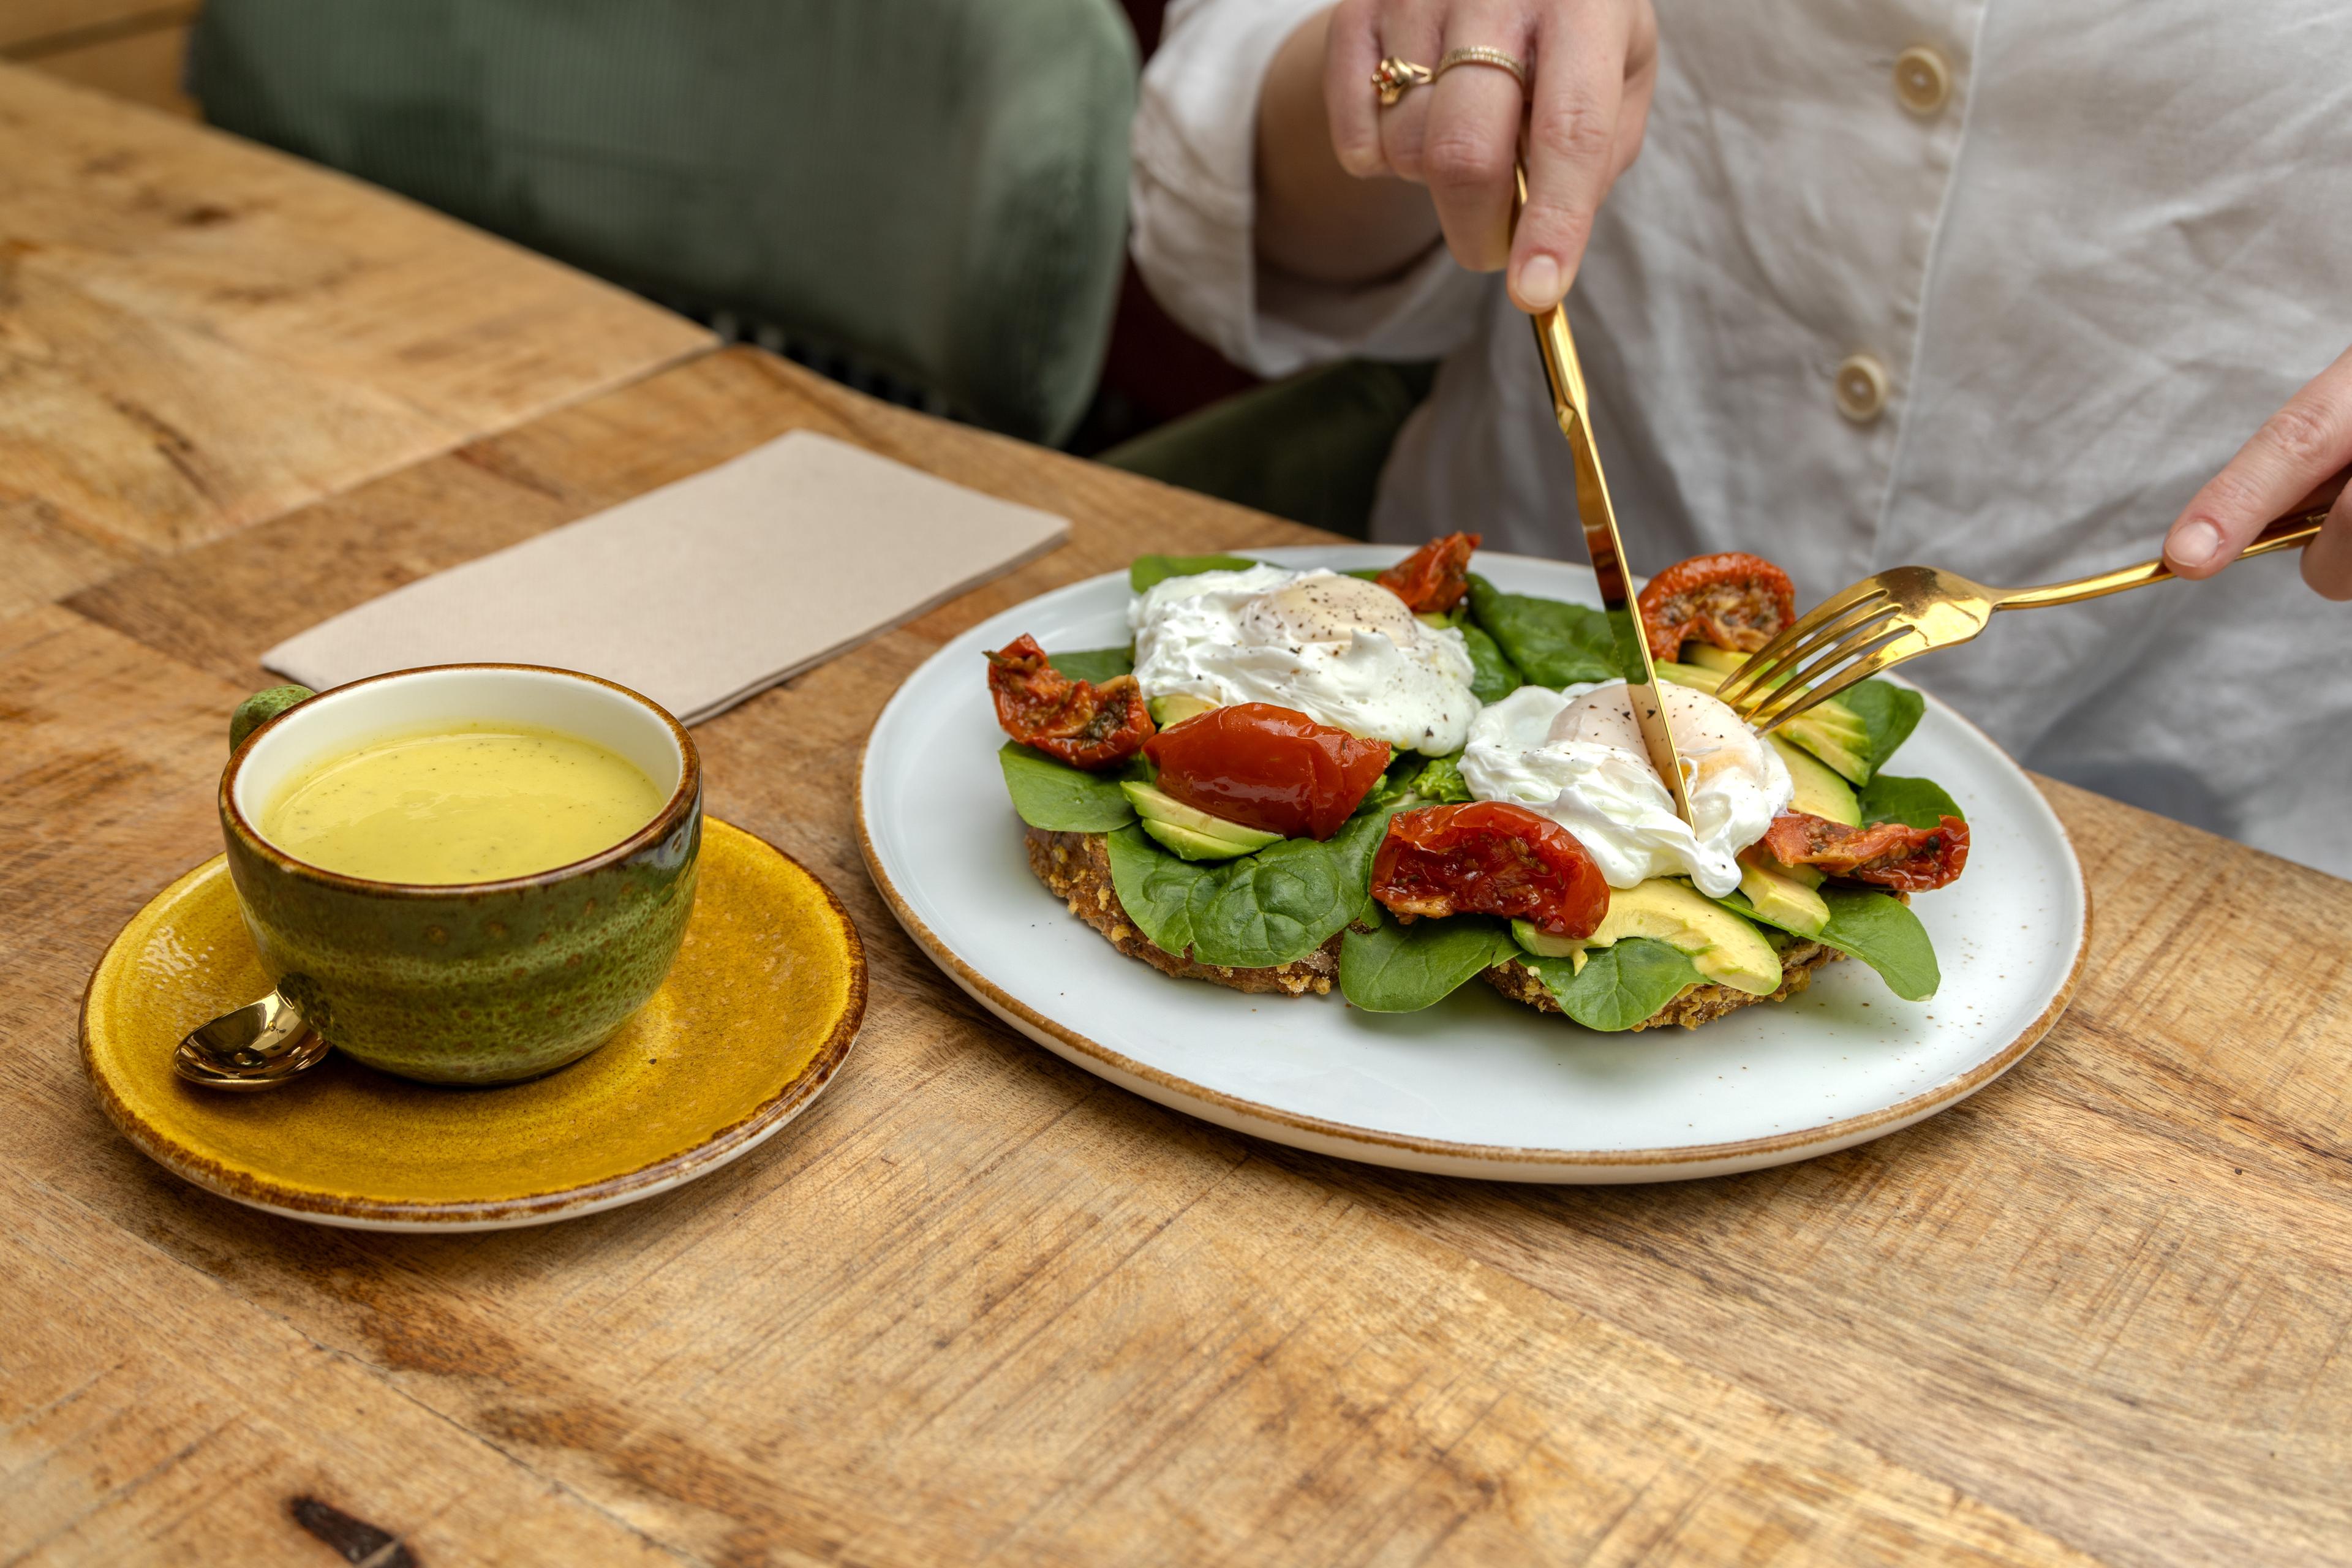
x,y
1154,805
1187,845
1172,710
1819,792
1706,656
1784,900
1690,674
1723,948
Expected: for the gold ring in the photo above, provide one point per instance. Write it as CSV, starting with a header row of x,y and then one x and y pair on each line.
x,y
1396,77
1482,57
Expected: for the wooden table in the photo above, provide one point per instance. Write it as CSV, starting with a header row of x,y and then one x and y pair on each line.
x,y
976,1306
979,1306
197,333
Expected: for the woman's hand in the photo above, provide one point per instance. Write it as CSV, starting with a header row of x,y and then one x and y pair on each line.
x,y
1593,64
2300,446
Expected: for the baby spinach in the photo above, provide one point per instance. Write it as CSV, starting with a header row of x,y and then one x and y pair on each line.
x,y
1621,986
1256,911
1150,569
1915,802
1876,928
1096,664
1060,798
1550,641
1888,712
1396,968
1493,676
1441,783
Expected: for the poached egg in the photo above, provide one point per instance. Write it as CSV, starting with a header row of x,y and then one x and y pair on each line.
x,y
1343,652
1575,756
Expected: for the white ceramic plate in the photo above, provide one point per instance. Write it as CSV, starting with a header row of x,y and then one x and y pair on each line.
x,y
1475,1086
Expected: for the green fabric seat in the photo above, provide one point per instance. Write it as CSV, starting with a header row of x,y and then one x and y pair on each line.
x,y
936,188
1309,448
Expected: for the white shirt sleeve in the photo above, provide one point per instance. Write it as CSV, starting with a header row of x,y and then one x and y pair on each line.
x,y
1192,193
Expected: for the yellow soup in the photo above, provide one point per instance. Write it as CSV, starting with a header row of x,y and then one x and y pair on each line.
x,y
467,806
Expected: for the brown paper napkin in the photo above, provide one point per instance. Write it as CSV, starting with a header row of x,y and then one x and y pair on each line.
x,y
704,592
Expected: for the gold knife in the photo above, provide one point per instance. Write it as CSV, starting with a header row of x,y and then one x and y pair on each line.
x,y
1570,407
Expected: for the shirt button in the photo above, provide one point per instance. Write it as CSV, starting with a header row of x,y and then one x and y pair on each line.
x,y
1922,80
1860,388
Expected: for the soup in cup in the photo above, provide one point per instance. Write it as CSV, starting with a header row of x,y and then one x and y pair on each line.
x,y
466,874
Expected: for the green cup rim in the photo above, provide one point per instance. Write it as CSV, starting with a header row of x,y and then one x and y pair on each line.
x,y
684,801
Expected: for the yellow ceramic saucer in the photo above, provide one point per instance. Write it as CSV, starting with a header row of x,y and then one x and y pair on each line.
x,y
753,1021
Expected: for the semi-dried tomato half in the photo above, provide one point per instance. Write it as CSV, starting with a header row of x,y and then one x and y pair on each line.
x,y
1910,859
1432,579
1734,600
1267,768
1085,725
1490,858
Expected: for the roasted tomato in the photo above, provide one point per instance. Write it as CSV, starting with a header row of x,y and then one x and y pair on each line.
x,y
1267,768
1432,579
1733,600
1490,858
1085,725
1911,860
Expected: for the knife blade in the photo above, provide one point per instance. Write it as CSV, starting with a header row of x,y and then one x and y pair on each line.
x,y
1573,410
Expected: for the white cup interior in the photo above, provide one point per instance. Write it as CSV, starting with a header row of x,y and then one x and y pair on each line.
x,y
418,703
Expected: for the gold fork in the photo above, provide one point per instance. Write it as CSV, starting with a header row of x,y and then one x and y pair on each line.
x,y
1898,615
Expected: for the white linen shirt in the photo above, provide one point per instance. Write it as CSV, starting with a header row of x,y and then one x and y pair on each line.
x,y
2118,245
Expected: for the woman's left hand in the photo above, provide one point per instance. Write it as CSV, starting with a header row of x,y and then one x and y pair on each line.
x,y
2301,445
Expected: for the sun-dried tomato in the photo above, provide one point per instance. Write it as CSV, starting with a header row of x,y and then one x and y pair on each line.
x,y
1267,768
1085,725
1889,854
1734,600
1432,579
1492,858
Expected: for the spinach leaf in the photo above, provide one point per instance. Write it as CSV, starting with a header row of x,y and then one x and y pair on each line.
x,y
1915,802
1150,569
1405,968
1495,676
1368,573
1060,798
1876,928
1155,887
1258,911
1551,642
1441,783
1621,985
1098,665
1888,712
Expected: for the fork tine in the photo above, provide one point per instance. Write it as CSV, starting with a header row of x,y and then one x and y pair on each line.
x,y
1786,697
1773,663
1765,659
1910,646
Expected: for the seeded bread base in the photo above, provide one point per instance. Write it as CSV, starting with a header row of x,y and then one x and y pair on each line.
x,y
1076,868
1697,1004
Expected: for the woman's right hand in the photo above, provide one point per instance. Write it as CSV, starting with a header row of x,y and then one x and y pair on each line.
x,y
1592,64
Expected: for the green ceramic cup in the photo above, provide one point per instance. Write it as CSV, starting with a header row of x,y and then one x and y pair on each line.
x,y
477,982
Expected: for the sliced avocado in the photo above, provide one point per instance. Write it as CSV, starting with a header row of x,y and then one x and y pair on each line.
x,y
1172,710
1706,656
1155,805
1543,944
1819,792
1835,734
1689,675
1784,900
1726,950
1190,846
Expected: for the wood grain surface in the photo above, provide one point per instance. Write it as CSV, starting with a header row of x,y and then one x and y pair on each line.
x,y
979,1306
197,333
